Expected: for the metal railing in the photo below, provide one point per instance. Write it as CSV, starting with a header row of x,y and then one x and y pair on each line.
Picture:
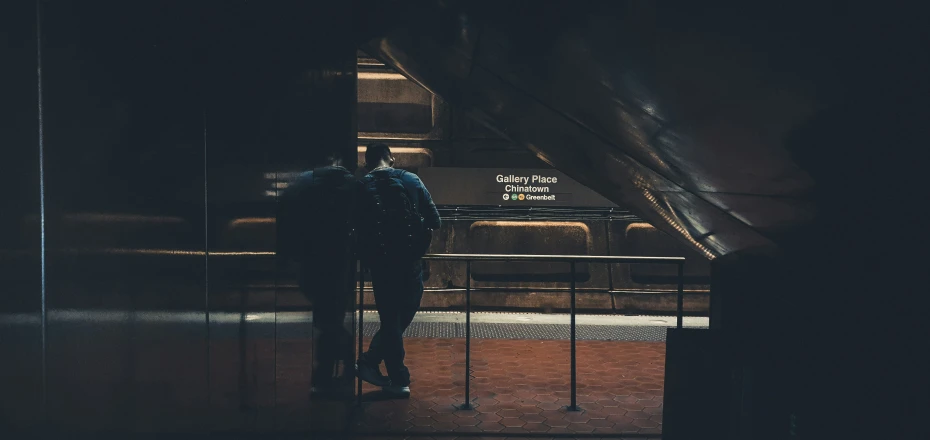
x,y
570,259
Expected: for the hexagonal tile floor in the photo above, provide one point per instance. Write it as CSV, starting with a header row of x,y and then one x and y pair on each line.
x,y
523,387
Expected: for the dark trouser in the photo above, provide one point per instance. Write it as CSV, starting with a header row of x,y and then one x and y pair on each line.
x,y
330,293
398,291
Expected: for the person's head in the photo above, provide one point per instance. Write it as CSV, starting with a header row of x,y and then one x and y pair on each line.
x,y
378,155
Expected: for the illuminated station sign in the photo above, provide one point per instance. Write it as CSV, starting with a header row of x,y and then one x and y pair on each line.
x,y
493,186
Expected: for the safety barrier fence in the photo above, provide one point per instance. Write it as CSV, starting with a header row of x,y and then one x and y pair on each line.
x,y
572,260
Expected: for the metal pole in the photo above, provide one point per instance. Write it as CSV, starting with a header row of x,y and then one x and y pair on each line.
x,y
361,328
467,404
681,294
574,406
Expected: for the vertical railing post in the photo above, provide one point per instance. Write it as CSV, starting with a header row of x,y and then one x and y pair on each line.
x,y
467,404
574,405
361,328
681,294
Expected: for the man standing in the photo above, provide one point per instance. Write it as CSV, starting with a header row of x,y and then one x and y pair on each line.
x,y
396,220
314,228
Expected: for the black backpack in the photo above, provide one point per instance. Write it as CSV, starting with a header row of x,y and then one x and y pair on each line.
x,y
390,228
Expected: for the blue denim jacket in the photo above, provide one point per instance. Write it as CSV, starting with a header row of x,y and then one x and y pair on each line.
x,y
417,193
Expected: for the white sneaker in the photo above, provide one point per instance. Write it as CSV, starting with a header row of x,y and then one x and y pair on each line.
x,y
399,391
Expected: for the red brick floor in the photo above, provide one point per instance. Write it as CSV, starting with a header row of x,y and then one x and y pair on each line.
x,y
518,386
522,387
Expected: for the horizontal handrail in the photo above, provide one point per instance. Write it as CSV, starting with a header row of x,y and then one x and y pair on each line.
x,y
434,257
556,258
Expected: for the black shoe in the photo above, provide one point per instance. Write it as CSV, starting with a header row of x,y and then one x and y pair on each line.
x,y
371,374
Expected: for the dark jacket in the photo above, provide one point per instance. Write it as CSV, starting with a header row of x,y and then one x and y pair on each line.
x,y
316,217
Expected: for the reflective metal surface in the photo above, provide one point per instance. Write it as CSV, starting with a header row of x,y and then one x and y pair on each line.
x,y
21,378
165,126
680,112
124,169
